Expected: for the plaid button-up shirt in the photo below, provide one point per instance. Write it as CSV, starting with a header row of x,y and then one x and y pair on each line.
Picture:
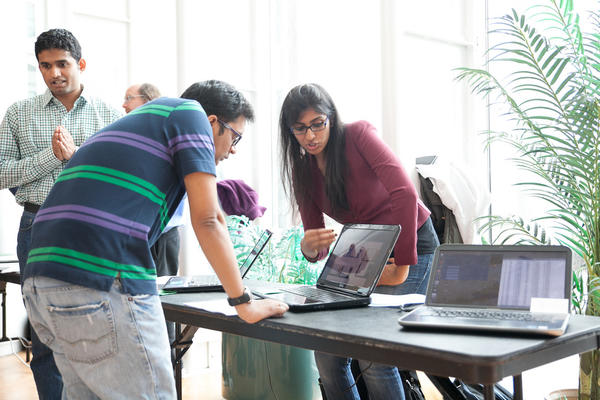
x,y
26,157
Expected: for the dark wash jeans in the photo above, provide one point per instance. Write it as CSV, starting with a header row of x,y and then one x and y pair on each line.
x,y
48,380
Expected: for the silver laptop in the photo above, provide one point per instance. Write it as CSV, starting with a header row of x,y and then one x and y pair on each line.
x,y
480,287
350,274
210,282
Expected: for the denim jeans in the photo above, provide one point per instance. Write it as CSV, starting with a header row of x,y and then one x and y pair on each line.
x,y
416,282
382,381
45,373
107,345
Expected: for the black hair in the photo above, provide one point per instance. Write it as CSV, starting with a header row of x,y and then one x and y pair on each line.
x,y
296,172
221,99
58,39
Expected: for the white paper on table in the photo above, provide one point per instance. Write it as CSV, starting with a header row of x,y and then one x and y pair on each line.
x,y
393,300
9,267
547,305
217,306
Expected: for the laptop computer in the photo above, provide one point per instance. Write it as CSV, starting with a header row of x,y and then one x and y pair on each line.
x,y
350,273
492,288
210,282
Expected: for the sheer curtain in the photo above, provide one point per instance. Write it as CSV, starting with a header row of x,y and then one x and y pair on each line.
x,y
384,61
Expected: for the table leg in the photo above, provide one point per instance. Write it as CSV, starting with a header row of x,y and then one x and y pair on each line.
x,y
183,340
488,392
4,337
517,387
3,291
178,367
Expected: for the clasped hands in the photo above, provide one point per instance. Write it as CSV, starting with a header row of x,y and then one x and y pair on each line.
x,y
63,145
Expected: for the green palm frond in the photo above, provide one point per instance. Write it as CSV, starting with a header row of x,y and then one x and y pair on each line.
x,y
514,230
552,96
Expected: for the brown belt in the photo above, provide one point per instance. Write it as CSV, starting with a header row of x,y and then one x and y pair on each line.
x,y
32,208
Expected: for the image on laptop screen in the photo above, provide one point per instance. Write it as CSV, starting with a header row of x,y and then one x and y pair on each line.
x,y
497,279
354,261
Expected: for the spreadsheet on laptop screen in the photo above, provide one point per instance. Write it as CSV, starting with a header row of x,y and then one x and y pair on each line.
x,y
497,280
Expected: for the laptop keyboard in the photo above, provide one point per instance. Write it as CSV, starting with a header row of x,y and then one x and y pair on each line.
x,y
316,294
495,315
200,280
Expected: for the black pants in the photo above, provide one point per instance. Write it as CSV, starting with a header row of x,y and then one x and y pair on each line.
x,y
165,253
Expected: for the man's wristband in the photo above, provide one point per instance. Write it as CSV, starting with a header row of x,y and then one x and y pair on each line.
x,y
246,297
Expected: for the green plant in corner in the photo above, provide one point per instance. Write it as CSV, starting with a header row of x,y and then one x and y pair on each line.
x,y
552,96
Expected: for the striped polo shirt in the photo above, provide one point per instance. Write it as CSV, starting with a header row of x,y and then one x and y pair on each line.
x,y
116,195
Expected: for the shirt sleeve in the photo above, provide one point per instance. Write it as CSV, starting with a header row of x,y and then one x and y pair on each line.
x,y
403,195
312,218
191,140
14,170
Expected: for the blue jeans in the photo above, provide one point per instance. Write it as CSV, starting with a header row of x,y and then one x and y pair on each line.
x,y
45,373
416,282
382,381
107,345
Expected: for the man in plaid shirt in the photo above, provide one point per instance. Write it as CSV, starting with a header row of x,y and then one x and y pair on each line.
x,y
38,136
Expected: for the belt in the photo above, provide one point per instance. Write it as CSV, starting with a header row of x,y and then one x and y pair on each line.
x,y
32,208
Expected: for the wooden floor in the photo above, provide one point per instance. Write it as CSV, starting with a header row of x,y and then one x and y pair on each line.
x,y
16,382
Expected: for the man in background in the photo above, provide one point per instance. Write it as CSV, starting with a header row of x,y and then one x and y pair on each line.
x,y
165,251
38,136
139,94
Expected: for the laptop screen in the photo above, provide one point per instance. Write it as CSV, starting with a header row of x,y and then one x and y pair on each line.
x,y
358,257
258,247
499,276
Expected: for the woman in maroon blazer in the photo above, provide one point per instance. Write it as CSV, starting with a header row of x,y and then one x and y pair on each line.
x,y
347,172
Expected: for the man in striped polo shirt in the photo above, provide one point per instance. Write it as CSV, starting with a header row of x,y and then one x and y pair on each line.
x,y
89,285
38,136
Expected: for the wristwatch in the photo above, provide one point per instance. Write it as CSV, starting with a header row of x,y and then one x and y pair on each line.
x,y
246,297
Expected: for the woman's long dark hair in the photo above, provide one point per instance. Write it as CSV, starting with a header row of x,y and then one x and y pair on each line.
x,y
296,173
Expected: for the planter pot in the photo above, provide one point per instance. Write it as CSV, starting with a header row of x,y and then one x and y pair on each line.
x,y
563,394
258,370
589,366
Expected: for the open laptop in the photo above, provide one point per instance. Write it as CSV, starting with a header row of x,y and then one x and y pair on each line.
x,y
350,273
210,282
493,288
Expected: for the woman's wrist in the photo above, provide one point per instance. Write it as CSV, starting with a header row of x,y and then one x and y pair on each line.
x,y
309,258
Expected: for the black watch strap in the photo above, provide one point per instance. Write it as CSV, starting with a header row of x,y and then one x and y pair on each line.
x,y
246,297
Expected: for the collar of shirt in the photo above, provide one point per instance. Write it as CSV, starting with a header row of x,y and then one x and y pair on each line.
x,y
48,96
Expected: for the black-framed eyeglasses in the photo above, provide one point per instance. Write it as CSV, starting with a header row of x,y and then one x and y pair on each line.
x,y
237,137
315,127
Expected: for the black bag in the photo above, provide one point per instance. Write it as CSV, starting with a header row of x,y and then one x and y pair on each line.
x,y
458,390
411,384
409,379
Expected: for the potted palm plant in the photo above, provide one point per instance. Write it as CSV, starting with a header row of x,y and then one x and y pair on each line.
x,y
552,97
255,369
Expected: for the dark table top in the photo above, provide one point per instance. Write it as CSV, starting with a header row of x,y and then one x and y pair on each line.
x,y
11,275
372,333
